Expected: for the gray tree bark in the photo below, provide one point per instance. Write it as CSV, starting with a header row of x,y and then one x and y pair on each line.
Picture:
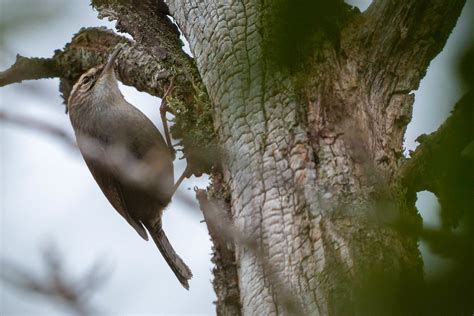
x,y
309,188
310,165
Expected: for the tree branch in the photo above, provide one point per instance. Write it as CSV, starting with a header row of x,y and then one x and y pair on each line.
x,y
147,22
140,67
402,37
27,69
38,125
74,294
443,162
91,46
88,48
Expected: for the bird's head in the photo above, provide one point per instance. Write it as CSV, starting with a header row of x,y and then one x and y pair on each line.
x,y
96,85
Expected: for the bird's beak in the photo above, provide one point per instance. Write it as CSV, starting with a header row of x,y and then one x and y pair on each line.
x,y
110,64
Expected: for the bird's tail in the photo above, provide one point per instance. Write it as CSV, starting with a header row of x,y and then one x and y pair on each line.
x,y
180,269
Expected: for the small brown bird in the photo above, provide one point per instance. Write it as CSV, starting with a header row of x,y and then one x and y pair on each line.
x,y
127,156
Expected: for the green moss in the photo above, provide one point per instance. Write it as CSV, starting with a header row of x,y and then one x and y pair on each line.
x,y
195,129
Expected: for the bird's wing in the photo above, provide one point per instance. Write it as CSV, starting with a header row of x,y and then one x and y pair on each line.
x,y
106,177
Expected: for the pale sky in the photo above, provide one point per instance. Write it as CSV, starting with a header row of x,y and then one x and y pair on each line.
x,y
48,195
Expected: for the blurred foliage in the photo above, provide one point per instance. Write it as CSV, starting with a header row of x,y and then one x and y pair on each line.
x,y
444,165
452,169
295,30
451,291
466,67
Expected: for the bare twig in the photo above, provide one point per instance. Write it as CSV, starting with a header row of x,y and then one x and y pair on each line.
x,y
73,294
38,125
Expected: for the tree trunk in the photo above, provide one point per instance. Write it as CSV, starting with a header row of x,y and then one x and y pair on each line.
x,y
310,157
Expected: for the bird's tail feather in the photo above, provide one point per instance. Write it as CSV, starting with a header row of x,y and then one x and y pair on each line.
x,y
180,269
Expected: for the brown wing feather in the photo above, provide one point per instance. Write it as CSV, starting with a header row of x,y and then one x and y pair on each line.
x,y
103,174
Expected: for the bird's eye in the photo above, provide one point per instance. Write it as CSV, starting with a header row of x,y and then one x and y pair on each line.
x,y
86,80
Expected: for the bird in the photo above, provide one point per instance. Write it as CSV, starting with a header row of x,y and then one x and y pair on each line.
x,y
127,156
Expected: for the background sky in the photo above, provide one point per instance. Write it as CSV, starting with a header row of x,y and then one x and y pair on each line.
x,y
49,197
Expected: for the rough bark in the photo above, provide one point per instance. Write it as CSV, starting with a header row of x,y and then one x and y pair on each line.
x,y
309,165
217,215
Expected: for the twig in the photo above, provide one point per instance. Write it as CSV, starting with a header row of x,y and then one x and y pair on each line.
x,y
56,285
41,126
